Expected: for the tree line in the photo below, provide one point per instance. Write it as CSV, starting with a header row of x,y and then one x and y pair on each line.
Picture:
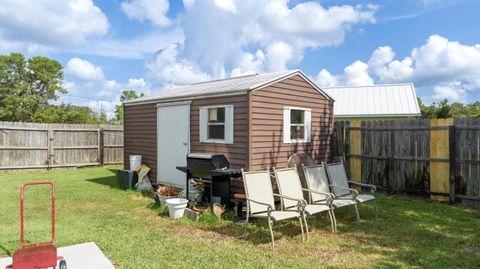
x,y
28,87
443,110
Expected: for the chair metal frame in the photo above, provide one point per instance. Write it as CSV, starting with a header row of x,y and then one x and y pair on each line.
x,y
269,208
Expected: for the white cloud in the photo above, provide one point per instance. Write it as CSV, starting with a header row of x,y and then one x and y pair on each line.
x,y
450,69
103,106
154,11
167,68
279,30
249,63
278,55
437,61
101,95
84,70
136,83
49,24
453,91
355,74
139,47
227,5
311,24
325,79
139,85
380,57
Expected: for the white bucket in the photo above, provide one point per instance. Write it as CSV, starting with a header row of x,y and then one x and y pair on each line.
x,y
162,199
176,207
135,161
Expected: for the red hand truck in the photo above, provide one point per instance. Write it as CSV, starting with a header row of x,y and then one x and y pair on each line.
x,y
36,255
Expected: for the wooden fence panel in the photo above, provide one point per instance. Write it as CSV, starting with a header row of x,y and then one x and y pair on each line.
x,y
438,157
467,154
78,146
33,145
112,146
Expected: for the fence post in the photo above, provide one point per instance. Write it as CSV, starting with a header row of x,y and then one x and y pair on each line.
x,y
453,168
440,177
391,162
101,146
355,151
50,147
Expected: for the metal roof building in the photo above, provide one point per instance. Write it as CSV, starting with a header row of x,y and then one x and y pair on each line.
x,y
378,101
222,87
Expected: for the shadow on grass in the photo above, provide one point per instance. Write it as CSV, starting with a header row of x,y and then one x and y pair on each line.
x,y
113,183
110,181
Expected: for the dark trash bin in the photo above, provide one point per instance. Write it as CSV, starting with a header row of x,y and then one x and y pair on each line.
x,y
127,179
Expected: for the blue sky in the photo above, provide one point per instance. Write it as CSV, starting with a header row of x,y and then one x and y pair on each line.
x,y
147,45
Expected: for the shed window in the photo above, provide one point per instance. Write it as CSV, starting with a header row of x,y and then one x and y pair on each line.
x,y
216,124
296,125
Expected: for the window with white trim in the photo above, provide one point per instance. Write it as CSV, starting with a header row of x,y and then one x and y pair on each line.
x,y
296,125
216,124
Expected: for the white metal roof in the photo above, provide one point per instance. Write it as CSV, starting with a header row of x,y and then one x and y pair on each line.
x,y
221,87
392,100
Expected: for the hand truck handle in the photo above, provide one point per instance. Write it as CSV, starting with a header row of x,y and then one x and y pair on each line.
x,y
22,192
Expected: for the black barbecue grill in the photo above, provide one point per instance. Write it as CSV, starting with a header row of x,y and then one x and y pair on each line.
x,y
213,170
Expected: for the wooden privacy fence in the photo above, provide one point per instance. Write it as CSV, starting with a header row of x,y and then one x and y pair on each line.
x,y
35,145
439,157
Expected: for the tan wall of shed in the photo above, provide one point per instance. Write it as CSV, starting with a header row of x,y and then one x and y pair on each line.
x,y
140,135
267,147
236,153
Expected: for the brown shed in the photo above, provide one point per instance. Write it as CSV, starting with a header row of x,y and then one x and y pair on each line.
x,y
256,121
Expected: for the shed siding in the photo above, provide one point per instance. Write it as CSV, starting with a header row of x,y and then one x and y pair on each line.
x,y
267,147
140,135
236,153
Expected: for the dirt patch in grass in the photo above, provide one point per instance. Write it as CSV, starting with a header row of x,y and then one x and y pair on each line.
x,y
474,250
197,233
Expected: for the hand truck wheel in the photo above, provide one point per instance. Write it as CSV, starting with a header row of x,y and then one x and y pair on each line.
x,y
63,264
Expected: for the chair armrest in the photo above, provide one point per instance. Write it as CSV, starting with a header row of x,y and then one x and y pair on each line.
x,y
329,196
269,207
372,187
301,203
354,192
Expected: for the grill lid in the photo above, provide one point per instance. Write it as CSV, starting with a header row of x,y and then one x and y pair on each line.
x,y
202,164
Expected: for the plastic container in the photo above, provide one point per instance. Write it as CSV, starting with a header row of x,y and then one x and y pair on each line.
x,y
176,207
162,199
127,179
135,162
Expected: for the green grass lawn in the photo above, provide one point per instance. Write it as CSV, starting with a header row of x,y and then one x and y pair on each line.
x,y
134,233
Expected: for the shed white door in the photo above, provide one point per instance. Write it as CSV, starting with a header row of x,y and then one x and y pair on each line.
x,y
173,142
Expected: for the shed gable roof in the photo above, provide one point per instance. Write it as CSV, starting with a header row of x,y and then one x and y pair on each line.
x,y
375,101
228,86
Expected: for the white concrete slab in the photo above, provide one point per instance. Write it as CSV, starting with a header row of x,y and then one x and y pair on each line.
x,y
81,256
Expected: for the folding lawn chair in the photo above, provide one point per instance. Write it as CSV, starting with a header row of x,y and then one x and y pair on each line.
x,y
317,180
289,184
341,185
260,201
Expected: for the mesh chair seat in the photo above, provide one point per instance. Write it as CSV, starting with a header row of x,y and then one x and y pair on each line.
x,y
278,215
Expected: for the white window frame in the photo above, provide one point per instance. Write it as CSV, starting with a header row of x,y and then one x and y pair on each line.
x,y
287,125
228,125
